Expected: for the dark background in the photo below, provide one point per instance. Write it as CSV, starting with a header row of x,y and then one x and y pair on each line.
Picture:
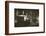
x,y
32,14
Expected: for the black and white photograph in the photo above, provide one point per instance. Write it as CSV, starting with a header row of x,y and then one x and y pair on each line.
x,y
26,17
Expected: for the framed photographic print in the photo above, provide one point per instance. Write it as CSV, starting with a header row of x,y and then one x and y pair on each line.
x,y
24,17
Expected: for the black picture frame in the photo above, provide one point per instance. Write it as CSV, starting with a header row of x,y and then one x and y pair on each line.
x,y
7,17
